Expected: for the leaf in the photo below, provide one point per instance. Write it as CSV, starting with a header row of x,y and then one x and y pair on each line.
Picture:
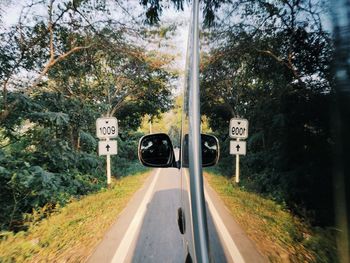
x,y
87,138
54,118
255,138
4,171
279,120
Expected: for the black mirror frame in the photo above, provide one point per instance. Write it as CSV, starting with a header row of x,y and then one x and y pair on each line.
x,y
185,162
217,152
171,162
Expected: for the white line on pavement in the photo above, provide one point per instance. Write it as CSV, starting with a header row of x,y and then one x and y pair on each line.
x,y
225,235
130,234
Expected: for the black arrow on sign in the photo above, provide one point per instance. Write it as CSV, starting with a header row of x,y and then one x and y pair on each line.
x,y
107,147
237,147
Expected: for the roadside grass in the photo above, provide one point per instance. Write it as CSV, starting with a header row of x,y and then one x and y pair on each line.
x,y
279,235
71,233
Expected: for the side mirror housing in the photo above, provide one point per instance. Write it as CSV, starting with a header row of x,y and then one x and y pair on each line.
x,y
210,150
156,150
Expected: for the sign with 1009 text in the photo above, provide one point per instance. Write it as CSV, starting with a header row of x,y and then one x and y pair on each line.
x,y
107,127
238,128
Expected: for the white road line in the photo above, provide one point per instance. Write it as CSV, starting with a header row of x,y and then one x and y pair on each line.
x,y
130,234
225,235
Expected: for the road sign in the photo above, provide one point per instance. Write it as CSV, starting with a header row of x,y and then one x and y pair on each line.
x,y
107,147
238,128
107,127
238,147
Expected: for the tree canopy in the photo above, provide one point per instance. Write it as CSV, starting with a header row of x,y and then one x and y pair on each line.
x,y
270,63
72,61
154,9
62,65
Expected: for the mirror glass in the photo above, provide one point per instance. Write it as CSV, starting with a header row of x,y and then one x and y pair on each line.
x,y
156,150
210,150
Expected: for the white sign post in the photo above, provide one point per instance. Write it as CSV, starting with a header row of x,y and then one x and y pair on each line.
x,y
237,167
108,167
107,128
238,130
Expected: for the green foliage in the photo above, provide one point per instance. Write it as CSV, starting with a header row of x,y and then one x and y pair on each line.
x,y
168,122
126,161
51,156
48,144
52,118
154,9
323,242
42,171
278,77
278,233
71,227
27,186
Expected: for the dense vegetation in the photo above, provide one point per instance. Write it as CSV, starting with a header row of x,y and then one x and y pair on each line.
x,y
277,232
271,65
60,70
270,62
267,61
71,234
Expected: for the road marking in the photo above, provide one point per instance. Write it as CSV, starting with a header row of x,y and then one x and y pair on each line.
x,y
130,234
230,244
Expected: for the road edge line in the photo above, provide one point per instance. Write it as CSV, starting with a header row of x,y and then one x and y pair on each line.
x,y
129,235
225,235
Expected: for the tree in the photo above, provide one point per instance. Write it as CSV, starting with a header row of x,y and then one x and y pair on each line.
x,y
154,9
168,122
60,72
79,57
38,42
272,66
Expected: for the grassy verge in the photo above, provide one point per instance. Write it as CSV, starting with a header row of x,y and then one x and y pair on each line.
x,y
279,235
72,233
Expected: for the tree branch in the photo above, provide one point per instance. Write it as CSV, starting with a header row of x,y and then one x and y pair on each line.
x,y
52,50
288,64
53,62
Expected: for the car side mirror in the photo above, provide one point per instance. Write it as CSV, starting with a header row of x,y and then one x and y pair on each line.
x,y
156,150
210,150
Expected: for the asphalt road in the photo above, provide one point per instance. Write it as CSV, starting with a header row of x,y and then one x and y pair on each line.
x,y
147,229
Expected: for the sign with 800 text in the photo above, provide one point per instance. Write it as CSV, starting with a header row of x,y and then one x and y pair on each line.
x,y
107,127
238,128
